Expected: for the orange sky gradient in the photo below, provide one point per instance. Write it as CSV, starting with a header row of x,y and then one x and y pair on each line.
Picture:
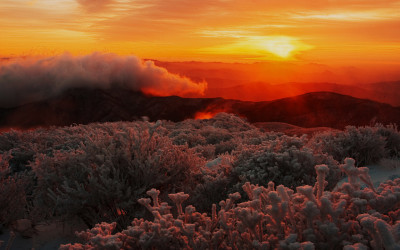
x,y
360,33
220,30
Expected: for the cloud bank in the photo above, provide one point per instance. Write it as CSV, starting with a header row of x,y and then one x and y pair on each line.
x,y
27,80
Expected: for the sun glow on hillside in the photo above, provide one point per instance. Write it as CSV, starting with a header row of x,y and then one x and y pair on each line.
x,y
204,115
210,112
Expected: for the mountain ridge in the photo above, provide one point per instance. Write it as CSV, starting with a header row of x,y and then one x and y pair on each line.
x,y
261,91
83,106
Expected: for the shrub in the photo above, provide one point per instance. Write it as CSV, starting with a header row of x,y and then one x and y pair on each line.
x,y
272,217
213,182
231,122
392,139
102,180
365,144
15,187
98,172
284,160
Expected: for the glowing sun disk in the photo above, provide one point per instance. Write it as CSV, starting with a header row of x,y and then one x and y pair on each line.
x,y
280,46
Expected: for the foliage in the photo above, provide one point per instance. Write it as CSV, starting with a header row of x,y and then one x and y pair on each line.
x,y
272,217
98,172
367,145
285,160
392,139
13,195
102,180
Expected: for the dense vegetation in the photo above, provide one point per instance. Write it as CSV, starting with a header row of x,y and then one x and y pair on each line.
x,y
101,173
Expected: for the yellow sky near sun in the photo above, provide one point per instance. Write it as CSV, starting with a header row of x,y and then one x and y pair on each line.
x,y
322,31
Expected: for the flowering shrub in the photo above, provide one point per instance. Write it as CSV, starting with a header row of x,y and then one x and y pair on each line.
x,y
272,217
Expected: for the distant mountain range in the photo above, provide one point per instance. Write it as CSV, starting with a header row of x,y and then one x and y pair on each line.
x,y
275,80
82,106
385,92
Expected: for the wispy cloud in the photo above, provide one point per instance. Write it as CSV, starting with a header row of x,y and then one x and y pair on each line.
x,y
353,16
94,5
224,33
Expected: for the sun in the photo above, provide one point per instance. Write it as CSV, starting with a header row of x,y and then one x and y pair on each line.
x,y
279,46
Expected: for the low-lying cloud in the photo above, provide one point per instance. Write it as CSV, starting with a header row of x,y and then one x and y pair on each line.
x,y
27,80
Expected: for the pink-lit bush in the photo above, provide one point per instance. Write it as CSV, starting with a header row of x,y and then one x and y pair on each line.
x,y
102,180
272,217
98,172
225,132
284,160
367,145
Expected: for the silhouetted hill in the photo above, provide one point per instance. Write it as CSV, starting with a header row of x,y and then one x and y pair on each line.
x,y
82,106
323,109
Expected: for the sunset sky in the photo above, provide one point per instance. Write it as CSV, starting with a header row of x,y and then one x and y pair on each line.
x,y
335,32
